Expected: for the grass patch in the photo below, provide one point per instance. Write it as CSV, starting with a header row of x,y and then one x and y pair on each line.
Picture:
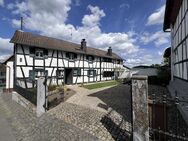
x,y
100,85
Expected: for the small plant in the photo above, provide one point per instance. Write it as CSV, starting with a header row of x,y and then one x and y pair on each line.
x,y
68,89
52,87
60,89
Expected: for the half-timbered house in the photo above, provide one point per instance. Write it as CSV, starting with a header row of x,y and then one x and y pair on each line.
x,y
176,21
60,61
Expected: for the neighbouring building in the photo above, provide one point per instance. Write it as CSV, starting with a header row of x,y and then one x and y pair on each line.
x,y
145,70
176,21
2,76
61,62
9,64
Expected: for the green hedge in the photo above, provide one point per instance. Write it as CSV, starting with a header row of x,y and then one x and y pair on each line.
x,y
162,78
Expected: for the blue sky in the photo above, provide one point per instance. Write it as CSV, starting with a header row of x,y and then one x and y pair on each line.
x,y
133,28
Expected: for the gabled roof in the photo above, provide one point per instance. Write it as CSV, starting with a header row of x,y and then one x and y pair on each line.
x,y
35,40
126,67
10,58
171,12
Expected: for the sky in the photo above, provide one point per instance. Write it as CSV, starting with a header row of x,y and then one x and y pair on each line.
x,y
133,28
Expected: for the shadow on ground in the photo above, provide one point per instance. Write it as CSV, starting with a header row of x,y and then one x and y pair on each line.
x,y
118,99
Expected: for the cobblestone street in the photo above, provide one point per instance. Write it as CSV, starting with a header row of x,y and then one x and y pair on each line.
x,y
70,121
106,118
105,113
27,127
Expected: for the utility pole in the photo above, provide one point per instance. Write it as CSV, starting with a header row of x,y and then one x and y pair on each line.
x,y
21,23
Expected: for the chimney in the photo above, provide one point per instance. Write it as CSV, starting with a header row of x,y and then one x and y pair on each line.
x,y
109,51
83,45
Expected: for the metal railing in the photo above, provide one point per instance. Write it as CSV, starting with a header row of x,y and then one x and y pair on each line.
x,y
172,127
29,94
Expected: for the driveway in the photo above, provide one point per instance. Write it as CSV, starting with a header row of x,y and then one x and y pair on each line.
x,y
104,113
116,98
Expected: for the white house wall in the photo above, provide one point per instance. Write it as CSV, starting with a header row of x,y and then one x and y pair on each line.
x,y
56,60
180,44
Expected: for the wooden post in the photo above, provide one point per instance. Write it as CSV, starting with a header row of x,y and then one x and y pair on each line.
x,y
140,123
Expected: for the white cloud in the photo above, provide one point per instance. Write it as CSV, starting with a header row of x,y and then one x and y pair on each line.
x,y
123,5
16,23
1,2
50,18
77,2
157,17
6,48
159,38
19,8
160,53
94,18
46,19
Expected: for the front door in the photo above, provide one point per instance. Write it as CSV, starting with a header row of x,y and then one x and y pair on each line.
x,y
68,76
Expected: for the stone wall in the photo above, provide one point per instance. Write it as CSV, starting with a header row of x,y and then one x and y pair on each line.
x,y
140,108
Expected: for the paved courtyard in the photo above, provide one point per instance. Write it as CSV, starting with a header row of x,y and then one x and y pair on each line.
x,y
90,115
101,114
25,126
105,112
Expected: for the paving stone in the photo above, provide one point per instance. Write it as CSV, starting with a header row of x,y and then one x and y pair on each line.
x,y
27,127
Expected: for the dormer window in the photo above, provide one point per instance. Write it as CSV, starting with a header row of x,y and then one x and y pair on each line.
x,y
90,58
71,56
107,60
39,54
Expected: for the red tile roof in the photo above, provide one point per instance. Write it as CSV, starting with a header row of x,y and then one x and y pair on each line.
x,y
35,40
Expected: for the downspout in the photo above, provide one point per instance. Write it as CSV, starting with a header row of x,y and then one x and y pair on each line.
x,y
172,54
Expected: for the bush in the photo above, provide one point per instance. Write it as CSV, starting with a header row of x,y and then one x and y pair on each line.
x,y
52,87
164,75
153,80
162,78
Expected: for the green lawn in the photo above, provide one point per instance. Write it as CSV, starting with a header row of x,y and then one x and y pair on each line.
x,y
100,85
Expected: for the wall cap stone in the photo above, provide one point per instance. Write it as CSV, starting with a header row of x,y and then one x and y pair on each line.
x,y
139,77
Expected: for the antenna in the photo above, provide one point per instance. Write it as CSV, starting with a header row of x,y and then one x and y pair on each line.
x,y
21,23
71,33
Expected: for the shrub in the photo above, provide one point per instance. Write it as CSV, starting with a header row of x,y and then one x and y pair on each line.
x,y
52,87
162,78
60,89
164,75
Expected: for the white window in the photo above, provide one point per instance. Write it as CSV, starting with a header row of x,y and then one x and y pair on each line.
x,y
71,56
20,59
91,72
60,73
39,54
40,73
77,72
